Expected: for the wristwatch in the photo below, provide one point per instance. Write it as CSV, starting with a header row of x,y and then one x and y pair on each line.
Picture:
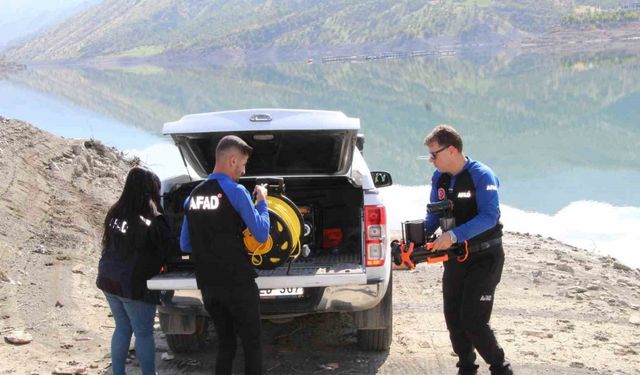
x,y
454,239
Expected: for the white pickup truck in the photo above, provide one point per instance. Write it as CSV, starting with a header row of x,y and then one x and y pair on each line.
x,y
318,155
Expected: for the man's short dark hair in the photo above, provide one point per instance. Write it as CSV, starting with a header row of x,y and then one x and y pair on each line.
x,y
229,142
444,135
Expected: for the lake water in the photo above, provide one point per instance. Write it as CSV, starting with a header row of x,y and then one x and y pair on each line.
x,y
561,132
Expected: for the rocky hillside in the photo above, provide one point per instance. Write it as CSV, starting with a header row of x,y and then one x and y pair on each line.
x,y
54,196
194,28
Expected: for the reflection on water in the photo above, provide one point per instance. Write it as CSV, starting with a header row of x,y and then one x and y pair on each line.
x,y
58,116
555,129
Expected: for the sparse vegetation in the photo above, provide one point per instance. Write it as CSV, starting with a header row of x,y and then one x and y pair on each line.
x,y
124,28
141,51
600,18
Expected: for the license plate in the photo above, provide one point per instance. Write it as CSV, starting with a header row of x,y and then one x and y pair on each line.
x,y
282,292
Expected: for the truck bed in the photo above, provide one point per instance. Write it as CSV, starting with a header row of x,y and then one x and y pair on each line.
x,y
323,270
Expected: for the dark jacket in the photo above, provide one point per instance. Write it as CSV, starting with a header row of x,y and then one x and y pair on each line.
x,y
215,226
135,253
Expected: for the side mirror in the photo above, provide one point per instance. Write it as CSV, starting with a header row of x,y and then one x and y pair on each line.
x,y
381,179
360,142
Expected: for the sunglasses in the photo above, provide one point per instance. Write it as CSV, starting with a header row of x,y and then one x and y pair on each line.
x,y
433,155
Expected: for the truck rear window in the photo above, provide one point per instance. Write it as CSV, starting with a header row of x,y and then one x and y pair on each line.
x,y
279,153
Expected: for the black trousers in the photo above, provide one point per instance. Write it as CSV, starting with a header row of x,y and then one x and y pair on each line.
x,y
235,310
468,290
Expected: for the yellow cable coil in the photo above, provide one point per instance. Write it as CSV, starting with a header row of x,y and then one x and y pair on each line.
x,y
284,235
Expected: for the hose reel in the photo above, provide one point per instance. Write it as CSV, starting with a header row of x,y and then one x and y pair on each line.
x,y
285,234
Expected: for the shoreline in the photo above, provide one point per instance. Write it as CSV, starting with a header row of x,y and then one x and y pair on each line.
x,y
556,42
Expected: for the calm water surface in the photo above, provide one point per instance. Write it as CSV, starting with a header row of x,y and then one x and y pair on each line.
x,y
561,132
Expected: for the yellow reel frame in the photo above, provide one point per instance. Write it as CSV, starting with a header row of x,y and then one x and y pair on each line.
x,y
285,234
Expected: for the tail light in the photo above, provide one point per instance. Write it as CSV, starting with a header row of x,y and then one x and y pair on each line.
x,y
375,220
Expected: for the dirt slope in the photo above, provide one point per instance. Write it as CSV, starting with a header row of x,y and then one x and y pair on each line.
x,y
559,310
53,196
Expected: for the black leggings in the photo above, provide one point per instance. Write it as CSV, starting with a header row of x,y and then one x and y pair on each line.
x,y
236,310
468,291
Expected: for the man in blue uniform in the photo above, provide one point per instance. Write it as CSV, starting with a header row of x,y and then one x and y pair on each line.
x,y
468,287
216,213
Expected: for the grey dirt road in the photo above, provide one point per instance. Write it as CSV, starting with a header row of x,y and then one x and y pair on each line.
x,y
326,344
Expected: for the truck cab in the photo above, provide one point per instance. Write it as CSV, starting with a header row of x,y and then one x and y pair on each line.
x,y
345,265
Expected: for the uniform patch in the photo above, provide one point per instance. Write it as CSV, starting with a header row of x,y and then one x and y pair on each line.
x,y
464,194
146,221
441,194
204,203
486,298
492,187
120,226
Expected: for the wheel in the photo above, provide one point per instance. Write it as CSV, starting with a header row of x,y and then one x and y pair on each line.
x,y
375,339
191,342
380,339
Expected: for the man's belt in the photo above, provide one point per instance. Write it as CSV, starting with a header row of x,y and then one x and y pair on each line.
x,y
481,246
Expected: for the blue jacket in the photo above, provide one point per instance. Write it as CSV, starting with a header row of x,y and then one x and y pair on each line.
x,y
474,192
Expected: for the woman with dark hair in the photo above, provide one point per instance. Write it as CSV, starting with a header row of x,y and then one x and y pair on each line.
x,y
135,242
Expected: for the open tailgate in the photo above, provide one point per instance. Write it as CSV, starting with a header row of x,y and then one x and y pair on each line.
x,y
319,272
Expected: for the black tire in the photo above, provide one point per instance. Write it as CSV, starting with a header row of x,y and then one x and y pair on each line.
x,y
192,342
379,339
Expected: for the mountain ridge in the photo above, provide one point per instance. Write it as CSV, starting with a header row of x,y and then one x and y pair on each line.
x,y
138,29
